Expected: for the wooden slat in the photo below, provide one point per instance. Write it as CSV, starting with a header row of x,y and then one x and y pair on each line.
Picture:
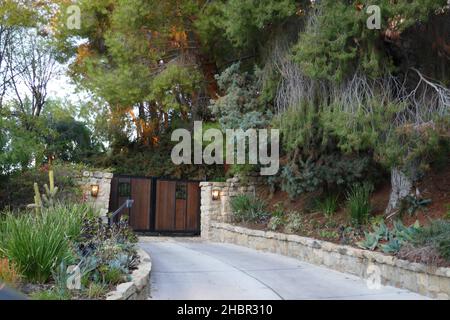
x,y
165,206
193,207
180,220
140,212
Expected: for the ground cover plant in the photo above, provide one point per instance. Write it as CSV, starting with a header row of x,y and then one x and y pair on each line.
x,y
41,247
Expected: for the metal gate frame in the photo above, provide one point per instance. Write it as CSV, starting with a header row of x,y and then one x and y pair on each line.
x,y
114,199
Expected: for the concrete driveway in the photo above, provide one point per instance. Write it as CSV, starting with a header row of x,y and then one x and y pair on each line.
x,y
190,269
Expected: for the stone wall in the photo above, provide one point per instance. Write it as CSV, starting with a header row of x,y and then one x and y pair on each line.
x,y
139,285
425,280
215,226
219,210
103,180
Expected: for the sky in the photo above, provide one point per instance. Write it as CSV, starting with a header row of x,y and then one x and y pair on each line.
x,y
61,87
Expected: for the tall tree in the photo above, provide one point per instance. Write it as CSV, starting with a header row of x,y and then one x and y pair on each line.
x,y
144,58
35,58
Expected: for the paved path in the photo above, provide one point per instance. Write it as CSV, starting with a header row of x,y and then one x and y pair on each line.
x,y
189,269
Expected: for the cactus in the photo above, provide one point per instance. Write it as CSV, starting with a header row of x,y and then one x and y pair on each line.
x,y
37,199
47,199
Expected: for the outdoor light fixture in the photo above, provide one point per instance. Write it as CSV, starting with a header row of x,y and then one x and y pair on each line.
x,y
215,194
94,190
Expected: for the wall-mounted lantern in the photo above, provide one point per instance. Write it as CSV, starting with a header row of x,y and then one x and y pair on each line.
x,y
215,194
94,190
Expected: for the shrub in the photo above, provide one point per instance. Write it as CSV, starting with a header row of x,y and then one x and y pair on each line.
x,y
107,253
358,203
329,172
436,235
328,205
294,223
331,235
275,223
412,204
9,273
38,243
113,275
35,244
96,290
16,190
72,217
248,209
50,294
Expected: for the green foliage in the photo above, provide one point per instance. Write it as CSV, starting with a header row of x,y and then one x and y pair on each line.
x,y
436,235
96,290
358,125
393,246
28,140
358,203
276,222
113,276
39,243
177,80
60,276
411,204
299,127
328,205
294,223
50,294
73,217
155,162
245,20
247,208
16,190
329,235
298,181
370,241
47,199
337,42
19,145
381,230
393,239
329,172
403,233
35,244
240,107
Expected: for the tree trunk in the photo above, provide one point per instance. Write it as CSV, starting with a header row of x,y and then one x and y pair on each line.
x,y
401,187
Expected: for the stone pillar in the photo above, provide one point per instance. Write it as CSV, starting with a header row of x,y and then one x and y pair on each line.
x,y
210,209
219,210
103,180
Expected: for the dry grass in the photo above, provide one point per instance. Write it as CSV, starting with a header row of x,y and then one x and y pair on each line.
x,y
9,273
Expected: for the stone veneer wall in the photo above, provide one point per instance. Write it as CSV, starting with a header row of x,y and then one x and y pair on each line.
x,y
219,210
216,215
138,288
103,180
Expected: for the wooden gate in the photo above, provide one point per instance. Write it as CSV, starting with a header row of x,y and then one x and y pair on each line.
x,y
160,205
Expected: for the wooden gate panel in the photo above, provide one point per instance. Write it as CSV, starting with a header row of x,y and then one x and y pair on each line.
x,y
140,213
180,220
165,206
193,207
159,205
